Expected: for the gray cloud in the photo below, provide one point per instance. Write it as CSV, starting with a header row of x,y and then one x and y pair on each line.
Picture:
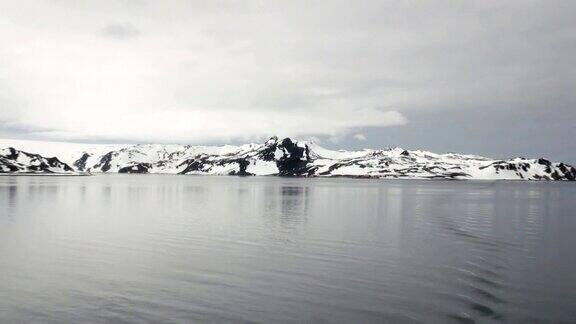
x,y
223,71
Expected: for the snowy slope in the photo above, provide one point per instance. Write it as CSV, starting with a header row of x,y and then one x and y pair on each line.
x,y
292,158
15,161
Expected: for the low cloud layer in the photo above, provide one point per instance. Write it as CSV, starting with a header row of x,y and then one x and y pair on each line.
x,y
196,71
205,125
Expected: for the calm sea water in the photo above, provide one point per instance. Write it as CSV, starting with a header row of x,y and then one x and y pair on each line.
x,y
176,249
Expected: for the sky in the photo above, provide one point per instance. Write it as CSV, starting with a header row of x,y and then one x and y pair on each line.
x,y
496,78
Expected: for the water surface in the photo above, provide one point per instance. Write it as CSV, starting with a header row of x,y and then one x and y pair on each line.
x,y
174,249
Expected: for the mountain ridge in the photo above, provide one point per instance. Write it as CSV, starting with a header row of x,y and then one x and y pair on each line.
x,y
280,157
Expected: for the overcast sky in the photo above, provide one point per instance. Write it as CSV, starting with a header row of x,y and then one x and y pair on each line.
x,y
487,77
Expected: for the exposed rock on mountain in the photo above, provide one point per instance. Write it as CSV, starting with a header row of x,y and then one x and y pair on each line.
x,y
15,161
287,157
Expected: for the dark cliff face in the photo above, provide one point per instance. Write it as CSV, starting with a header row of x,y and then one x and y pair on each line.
x,y
295,159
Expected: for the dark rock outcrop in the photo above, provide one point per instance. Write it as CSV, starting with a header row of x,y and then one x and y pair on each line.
x,y
80,164
295,159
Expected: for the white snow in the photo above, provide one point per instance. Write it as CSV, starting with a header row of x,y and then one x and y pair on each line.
x,y
259,167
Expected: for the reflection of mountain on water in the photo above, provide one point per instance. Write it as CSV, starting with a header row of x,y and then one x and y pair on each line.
x,y
287,205
8,200
21,193
294,204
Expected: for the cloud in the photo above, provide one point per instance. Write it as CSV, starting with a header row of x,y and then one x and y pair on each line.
x,y
203,72
203,125
121,31
360,137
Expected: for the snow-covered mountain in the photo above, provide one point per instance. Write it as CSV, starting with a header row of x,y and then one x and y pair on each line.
x,y
15,161
284,157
